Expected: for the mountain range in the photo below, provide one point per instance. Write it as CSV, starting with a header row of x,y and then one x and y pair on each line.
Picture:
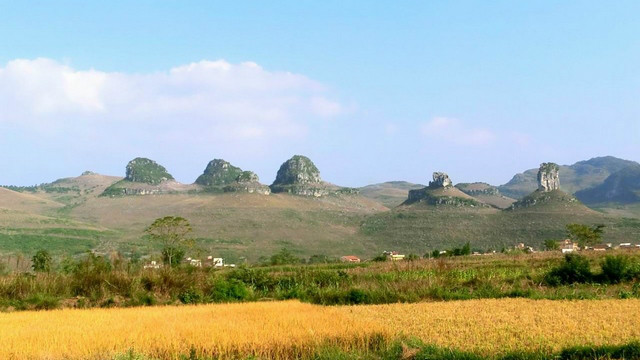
x,y
235,216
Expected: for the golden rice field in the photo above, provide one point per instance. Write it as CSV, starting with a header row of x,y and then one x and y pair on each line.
x,y
292,329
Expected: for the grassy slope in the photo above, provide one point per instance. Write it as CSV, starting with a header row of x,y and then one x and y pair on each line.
x,y
391,193
29,222
248,225
424,228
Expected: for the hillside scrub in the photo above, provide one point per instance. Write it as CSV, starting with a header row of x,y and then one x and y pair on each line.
x,y
95,281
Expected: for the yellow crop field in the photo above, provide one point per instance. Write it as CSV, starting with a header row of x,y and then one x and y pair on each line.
x,y
492,326
292,329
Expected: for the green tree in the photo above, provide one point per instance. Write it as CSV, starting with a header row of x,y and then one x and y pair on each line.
x,y
172,232
284,257
585,235
41,261
551,245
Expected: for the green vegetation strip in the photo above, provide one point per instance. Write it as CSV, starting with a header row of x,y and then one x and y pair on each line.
x,y
96,281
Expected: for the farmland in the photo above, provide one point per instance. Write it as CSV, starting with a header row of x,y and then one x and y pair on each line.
x,y
289,329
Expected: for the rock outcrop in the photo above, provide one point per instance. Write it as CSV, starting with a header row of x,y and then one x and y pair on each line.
x,y
221,176
440,180
144,177
300,176
299,170
548,177
441,192
143,170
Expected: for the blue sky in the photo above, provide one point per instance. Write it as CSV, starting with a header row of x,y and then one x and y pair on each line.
x,y
371,91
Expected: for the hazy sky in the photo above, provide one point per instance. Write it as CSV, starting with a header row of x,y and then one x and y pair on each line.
x,y
370,90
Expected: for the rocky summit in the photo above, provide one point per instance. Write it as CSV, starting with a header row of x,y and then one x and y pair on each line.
x,y
297,171
143,170
441,192
218,173
440,180
548,177
300,176
221,176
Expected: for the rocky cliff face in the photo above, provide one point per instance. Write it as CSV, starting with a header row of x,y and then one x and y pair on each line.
x,y
440,180
300,176
146,171
548,177
221,176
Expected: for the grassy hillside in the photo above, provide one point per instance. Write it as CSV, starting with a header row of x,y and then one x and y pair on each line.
x,y
232,225
424,228
391,193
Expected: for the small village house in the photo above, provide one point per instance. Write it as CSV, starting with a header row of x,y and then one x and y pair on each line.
x,y
568,246
350,259
393,255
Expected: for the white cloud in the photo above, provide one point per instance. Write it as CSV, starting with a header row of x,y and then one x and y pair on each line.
x,y
215,98
454,131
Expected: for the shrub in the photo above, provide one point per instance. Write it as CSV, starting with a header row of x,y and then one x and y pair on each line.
x,y
412,257
284,257
575,269
229,290
357,296
41,261
616,269
43,301
191,296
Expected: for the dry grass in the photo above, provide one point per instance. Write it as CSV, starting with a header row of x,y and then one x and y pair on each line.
x,y
292,329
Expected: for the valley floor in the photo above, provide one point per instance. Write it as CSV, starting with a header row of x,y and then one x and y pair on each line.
x,y
290,329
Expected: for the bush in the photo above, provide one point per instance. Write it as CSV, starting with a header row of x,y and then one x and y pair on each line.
x,y
357,296
284,257
191,296
616,269
575,269
412,257
43,301
229,290
380,258
41,261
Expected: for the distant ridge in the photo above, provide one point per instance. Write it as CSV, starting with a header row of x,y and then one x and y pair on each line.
x,y
576,177
621,187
